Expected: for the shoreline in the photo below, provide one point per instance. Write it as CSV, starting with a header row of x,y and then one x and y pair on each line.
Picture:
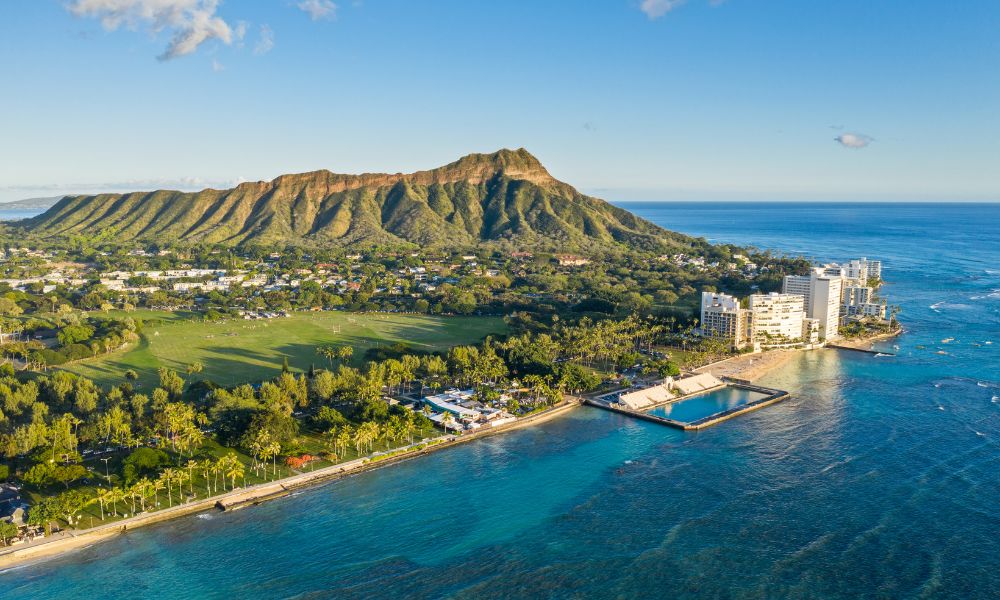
x,y
751,367
866,343
748,367
13,557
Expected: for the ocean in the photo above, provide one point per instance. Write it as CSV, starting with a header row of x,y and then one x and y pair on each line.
x,y
879,478
17,215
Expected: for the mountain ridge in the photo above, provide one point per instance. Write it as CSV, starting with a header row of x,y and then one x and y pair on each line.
x,y
505,195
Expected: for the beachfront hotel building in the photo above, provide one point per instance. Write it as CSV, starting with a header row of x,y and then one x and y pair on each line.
x,y
861,301
863,269
776,319
821,293
723,318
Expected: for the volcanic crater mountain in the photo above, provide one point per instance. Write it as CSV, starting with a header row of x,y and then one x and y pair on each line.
x,y
506,195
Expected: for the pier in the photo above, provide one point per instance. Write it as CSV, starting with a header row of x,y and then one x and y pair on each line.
x,y
772,396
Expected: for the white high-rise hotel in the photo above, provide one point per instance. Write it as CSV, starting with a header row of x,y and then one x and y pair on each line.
x,y
821,292
722,317
776,319
772,320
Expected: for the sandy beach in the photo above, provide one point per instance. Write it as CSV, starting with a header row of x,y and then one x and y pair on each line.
x,y
748,367
70,540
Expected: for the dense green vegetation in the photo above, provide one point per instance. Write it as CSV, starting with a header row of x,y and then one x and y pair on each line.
x,y
507,195
189,438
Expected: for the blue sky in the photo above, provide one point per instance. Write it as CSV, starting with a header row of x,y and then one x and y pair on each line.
x,y
626,99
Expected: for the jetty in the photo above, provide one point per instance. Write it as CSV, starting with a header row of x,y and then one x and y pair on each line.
x,y
862,350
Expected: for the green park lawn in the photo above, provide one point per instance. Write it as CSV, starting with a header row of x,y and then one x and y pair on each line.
x,y
240,351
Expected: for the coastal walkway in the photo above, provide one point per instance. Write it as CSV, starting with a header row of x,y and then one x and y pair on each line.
x,y
70,539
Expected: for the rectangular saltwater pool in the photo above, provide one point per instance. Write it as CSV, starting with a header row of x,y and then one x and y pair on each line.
x,y
707,404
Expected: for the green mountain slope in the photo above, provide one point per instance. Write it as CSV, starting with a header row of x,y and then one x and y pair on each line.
x,y
507,195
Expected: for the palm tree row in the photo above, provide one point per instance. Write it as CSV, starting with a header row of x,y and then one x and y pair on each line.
x,y
229,467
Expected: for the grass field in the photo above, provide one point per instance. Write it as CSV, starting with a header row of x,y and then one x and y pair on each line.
x,y
239,351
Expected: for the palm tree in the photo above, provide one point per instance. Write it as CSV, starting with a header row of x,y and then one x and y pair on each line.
x,y
373,431
157,485
274,449
115,496
168,477
234,469
179,478
103,497
144,488
327,352
133,493
345,353
343,439
206,468
191,466
218,467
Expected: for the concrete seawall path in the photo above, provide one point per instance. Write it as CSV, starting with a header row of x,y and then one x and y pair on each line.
x,y
69,540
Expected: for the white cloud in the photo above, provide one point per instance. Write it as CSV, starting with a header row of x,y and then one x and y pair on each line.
x,y
265,42
217,66
655,9
191,22
241,30
318,9
854,141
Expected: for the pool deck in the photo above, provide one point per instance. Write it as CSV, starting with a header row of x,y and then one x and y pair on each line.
x,y
773,396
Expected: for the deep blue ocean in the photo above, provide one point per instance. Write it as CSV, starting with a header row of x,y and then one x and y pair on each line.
x,y
880,478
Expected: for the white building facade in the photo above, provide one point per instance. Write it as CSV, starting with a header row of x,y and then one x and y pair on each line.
x,y
776,319
723,318
821,296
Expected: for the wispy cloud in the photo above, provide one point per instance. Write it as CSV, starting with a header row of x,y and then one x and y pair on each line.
x,y
128,185
190,22
318,9
265,42
655,9
217,66
855,141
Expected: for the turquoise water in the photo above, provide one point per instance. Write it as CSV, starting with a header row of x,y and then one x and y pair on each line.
x,y
879,478
16,215
706,405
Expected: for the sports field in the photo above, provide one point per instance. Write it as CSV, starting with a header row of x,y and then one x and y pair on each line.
x,y
238,351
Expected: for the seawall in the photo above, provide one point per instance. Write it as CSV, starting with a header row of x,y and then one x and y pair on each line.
x,y
72,540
